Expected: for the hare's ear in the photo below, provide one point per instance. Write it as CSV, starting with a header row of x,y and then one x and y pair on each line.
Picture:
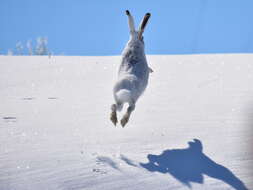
x,y
143,24
130,21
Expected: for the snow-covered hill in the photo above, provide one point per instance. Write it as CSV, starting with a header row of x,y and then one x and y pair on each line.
x,y
192,128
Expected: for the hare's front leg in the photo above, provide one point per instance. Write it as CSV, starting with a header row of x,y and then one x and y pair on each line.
x,y
126,117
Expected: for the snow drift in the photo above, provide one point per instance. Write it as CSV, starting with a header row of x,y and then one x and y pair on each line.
x,y
191,129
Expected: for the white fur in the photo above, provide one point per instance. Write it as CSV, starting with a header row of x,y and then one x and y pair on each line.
x,y
133,72
123,95
131,23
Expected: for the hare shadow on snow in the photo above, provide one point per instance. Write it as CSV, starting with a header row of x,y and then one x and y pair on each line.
x,y
189,165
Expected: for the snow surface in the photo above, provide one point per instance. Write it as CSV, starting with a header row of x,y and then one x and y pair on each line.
x,y
55,131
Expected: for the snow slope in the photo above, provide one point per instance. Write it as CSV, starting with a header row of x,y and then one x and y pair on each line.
x,y
192,128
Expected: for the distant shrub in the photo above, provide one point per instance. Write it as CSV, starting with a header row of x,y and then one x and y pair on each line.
x,y
29,47
40,48
19,48
10,52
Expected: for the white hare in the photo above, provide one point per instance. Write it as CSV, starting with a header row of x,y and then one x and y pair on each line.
x,y
133,72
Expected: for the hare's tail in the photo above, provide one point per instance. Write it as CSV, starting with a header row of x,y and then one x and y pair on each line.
x,y
123,96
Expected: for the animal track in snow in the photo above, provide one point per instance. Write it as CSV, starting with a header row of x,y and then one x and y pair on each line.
x,y
10,119
52,98
28,98
98,170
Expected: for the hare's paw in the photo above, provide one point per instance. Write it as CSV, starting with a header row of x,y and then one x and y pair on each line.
x,y
124,120
114,118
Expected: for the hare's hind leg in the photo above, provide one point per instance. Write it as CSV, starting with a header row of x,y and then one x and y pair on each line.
x,y
126,117
113,116
115,108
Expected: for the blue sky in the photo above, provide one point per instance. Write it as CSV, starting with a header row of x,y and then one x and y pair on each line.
x,y
99,27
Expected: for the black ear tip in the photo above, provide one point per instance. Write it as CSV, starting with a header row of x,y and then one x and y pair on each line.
x,y
127,12
148,14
